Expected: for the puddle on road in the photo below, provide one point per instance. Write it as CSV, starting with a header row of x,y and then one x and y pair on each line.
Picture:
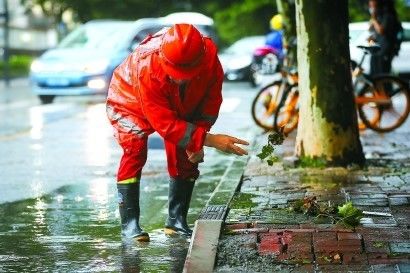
x,y
77,229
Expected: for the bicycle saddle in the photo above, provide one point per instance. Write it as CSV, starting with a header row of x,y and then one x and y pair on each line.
x,y
371,48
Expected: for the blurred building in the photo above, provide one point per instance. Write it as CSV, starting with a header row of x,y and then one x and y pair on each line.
x,y
29,30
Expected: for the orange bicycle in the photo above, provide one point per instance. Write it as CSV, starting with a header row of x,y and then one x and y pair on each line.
x,y
268,99
383,101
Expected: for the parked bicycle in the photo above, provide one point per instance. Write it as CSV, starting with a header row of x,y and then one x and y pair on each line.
x,y
383,101
267,99
270,98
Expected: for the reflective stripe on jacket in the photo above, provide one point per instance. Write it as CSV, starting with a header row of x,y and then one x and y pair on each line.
x,y
142,99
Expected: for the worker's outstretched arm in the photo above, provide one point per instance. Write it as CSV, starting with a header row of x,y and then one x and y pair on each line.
x,y
225,143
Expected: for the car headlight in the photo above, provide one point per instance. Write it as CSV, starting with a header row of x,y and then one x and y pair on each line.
x,y
37,66
97,67
239,63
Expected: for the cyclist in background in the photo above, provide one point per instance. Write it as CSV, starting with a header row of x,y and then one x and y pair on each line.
x,y
382,28
274,38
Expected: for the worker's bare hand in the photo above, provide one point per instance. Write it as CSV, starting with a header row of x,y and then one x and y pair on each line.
x,y
197,157
226,143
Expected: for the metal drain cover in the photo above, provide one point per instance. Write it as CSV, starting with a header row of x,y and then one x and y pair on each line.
x,y
213,212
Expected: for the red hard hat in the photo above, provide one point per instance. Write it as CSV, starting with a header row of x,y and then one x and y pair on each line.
x,y
182,51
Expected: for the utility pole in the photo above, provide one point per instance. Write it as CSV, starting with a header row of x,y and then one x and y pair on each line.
x,y
5,15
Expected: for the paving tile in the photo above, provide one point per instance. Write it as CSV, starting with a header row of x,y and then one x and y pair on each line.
x,y
378,222
370,201
247,240
236,226
354,258
337,248
256,181
404,268
399,201
270,247
394,181
296,257
400,247
383,258
384,235
402,215
249,230
377,179
324,236
344,269
376,246
365,195
299,247
348,236
328,258
279,227
383,268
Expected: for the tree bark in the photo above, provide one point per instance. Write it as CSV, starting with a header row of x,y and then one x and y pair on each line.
x,y
328,128
287,9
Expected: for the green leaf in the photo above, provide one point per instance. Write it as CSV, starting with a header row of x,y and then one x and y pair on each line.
x,y
276,138
350,214
272,159
347,209
267,150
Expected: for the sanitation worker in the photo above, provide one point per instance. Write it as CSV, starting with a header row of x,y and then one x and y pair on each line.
x,y
170,84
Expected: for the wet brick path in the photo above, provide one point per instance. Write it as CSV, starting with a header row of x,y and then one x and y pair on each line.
x,y
261,234
362,249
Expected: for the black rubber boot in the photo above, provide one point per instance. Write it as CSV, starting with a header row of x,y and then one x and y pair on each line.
x,y
128,201
180,192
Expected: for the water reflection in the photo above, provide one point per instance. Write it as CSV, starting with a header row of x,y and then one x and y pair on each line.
x,y
130,258
100,195
98,135
77,229
37,122
39,215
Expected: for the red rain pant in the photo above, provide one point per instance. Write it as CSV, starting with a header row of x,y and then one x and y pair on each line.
x,y
135,155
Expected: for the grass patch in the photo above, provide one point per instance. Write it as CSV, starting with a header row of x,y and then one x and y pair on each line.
x,y
19,65
243,201
312,162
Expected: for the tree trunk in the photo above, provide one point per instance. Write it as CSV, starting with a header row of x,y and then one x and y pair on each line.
x,y
287,9
328,129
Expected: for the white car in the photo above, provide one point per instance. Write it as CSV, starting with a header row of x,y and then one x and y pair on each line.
x,y
236,60
359,33
84,61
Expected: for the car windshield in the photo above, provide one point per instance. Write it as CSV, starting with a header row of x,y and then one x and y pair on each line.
x,y
102,35
246,45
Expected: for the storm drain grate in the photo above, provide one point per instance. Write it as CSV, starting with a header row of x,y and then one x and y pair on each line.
x,y
213,212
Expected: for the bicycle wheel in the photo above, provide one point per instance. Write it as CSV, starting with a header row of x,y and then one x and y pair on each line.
x,y
385,105
287,113
264,105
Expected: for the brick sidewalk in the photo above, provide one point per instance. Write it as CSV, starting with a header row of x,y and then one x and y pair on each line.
x,y
261,234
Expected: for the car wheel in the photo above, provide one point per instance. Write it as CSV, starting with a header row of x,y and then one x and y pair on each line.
x,y
253,75
46,99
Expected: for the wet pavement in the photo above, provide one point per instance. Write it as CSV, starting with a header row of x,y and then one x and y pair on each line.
x,y
263,234
59,212
58,205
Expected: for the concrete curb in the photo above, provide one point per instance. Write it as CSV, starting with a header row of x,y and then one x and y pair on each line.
x,y
202,250
204,243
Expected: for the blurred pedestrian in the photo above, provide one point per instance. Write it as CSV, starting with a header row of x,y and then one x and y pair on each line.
x,y
383,29
170,84
274,38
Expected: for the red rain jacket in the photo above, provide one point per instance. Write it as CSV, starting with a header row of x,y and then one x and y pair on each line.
x,y
142,99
